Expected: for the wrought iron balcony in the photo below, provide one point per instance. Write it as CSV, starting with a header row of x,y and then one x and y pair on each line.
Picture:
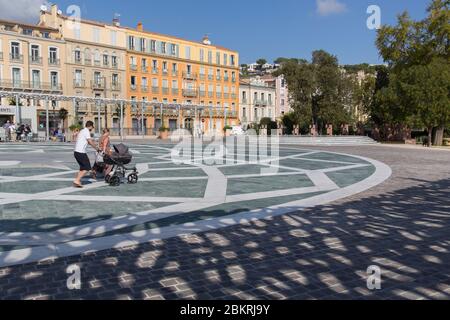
x,y
165,72
190,93
202,76
133,87
226,78
144,69
202,93
144,88
79,83
16,57
133,67
174,73
210,77
77,60
30,85
114,65
175,91
165,90
35,60
189,75
218,95
155,89
115,86
54,61
98,84
155,70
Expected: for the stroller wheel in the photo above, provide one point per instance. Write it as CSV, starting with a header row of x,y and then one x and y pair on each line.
x,y
114,181
133,178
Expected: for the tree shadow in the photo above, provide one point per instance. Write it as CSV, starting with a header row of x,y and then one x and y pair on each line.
x,y
318,253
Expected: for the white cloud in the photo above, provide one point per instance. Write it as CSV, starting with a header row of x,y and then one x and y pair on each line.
x,y
329,7
21,10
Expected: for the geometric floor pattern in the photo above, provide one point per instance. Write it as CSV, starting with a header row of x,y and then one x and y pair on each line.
x,y
42,216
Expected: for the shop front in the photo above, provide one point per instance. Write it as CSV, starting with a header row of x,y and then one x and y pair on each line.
x,y
7,113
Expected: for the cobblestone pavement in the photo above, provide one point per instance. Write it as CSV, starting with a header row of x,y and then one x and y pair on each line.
x,y
321,253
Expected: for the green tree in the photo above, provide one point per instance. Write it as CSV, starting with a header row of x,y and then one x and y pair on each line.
x,y
261,62
413,48
62,115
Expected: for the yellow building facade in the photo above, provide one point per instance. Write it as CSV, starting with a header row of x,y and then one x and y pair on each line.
x,y
171,70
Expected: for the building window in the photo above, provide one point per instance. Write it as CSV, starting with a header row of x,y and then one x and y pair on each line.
x,y
53,55
173,49
114,61
225,59
96,35
131,43
218,58
163,48
202,55
153,45
232,60
143,45
35,56
188,52
113,38
115,79
15,50
105,60
54,79
77,55
209,56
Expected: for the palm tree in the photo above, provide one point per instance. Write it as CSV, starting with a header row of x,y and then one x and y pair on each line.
x,y
62,115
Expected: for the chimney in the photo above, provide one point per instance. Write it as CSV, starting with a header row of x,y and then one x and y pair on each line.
x,y
206,40
54,10
116,20
140,27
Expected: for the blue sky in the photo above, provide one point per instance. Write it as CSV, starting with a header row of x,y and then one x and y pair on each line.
x,y
262,28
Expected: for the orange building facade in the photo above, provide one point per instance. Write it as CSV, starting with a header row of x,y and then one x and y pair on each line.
x,y
175,71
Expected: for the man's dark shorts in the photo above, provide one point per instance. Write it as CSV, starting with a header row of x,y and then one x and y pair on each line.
x,y
83,161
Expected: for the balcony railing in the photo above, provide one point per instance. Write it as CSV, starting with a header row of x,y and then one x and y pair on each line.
x,y
133,87
233,96
226,78
155,70
175,91
165,72
218,78
210,77
54,61
218,95
114,65
210,94
88,61
165,90
202,76
144,88
233,79
79,83
202,93
35,60
189,75
133,67
144,69
190,92
16,57
174,73
226,95
30,85
155,89
115,86
98,84
77,60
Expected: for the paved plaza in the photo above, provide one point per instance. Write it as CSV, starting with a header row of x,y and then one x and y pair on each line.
x,y
304,223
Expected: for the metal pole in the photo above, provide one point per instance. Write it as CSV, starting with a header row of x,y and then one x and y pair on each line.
x,y
180,118
75,109
142,120
210,119
99,121
18,119
121,121
47,121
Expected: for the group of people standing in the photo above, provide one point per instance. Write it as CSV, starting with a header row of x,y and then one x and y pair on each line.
x,y
21,132
84,138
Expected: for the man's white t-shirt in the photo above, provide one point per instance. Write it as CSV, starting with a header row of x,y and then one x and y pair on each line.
x,y
82,140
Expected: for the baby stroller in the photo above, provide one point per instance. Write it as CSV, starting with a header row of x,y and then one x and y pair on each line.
x,y
119,159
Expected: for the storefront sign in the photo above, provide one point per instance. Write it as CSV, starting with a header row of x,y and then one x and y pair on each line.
x,y
7,110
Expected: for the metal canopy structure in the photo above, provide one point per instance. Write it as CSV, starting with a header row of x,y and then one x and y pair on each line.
x,y
104,101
